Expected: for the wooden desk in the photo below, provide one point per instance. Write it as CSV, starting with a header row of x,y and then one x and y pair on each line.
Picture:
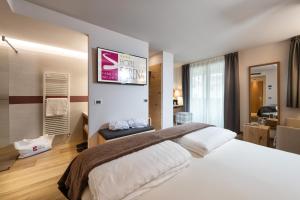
x,y
257,134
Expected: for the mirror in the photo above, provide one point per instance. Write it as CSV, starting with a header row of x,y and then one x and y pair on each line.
x,y
264,93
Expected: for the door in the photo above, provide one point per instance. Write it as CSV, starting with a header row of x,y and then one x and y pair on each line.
x,y
155,95
257,94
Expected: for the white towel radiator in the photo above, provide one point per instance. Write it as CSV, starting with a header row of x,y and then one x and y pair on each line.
x,y
56,85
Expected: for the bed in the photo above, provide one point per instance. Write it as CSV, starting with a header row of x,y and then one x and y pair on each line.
x,y
236,170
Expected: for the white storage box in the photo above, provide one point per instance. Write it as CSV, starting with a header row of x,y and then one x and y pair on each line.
x,y
30,147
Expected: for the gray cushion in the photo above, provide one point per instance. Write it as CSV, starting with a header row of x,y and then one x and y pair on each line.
x,y
108,134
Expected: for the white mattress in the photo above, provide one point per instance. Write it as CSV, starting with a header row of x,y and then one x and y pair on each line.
x,y
236,171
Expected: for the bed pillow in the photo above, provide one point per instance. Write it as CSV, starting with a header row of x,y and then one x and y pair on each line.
x,y
206,140
118,125
137,123
137,171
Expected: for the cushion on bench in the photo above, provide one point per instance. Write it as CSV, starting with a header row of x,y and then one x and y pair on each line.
x,y
108,134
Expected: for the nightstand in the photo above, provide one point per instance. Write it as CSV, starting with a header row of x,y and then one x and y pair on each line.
x,y
257,134
176,109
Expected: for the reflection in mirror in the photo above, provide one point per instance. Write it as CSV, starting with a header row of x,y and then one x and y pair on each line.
x,y
264,92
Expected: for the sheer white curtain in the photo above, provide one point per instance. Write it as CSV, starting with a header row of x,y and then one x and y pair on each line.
x,y
207,91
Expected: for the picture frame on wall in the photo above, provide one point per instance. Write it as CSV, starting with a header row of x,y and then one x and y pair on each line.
x,y
120,68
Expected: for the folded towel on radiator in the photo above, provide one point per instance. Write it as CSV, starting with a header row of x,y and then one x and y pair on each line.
x,y
56,107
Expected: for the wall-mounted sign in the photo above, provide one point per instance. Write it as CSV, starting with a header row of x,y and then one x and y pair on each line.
x,y
116,67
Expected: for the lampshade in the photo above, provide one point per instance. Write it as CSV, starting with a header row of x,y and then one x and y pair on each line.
x,y
180,100
176,93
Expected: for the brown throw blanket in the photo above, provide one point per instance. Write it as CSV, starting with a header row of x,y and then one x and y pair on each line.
x,y
75,178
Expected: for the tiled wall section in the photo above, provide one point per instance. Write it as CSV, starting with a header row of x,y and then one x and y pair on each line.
x,y
4,111
26,79
26,120
27,68
4,123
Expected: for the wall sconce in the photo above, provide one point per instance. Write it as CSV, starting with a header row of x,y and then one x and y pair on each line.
x,y
5,40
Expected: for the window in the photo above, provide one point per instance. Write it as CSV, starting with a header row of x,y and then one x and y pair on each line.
x,y
207,91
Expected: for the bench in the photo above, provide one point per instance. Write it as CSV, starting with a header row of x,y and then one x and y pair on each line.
x,y
106,135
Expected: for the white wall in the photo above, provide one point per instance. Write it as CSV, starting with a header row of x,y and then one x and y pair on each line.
x,y
167,90
260,55
177,77
26,79
118,101
167,61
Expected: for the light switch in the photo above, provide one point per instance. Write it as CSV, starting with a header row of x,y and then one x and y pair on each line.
x,y
98,101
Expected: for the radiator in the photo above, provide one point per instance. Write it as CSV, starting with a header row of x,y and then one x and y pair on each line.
x,y
56,85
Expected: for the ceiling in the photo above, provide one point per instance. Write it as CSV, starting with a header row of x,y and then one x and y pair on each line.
x,y
28,29
190,29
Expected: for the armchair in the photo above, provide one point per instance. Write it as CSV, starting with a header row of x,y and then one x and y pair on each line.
x,y
288,137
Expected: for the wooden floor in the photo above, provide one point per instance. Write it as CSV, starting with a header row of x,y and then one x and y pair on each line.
x,y
35,178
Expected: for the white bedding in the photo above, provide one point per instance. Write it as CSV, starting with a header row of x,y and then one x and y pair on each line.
x,y
203,141
133,174
236,171
145,188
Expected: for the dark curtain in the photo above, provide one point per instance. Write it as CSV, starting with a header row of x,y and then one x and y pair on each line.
x,y
293,88
232,93
186,87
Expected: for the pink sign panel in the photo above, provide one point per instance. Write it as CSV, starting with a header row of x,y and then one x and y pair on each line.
x,y
109,65
116,67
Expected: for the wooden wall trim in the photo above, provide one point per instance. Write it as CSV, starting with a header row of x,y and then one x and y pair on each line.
x,y
39,99
25,99
79,98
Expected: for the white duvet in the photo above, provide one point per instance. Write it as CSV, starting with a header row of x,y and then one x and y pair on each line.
x,y
131,175
237,170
